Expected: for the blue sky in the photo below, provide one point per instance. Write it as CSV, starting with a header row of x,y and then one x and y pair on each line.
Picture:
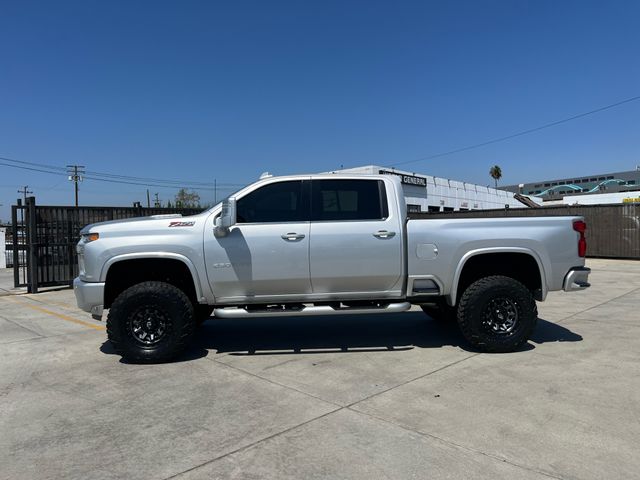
x,y
203,90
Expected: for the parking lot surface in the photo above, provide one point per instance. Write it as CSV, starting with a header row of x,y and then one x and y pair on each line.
x,y
384,396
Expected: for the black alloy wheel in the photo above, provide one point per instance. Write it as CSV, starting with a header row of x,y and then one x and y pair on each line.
x,y
500,316
497,314
148,325
150,322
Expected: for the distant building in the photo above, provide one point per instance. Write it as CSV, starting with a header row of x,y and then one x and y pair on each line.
x,y
599,199
425,193
554,191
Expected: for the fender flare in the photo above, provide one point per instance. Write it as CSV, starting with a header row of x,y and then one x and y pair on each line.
x,y
159,255
453,296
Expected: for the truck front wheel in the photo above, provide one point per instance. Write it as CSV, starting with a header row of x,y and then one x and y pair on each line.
x,y
150,322
497,314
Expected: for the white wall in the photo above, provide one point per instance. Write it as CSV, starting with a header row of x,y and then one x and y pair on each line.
x,y
442,192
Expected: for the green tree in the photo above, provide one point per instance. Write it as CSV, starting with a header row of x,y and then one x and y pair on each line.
x,y
187,199
496,173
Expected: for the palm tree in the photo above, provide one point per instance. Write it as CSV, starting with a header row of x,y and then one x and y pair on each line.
x,y
496,173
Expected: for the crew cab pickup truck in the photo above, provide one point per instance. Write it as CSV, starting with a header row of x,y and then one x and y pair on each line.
x,y
329,244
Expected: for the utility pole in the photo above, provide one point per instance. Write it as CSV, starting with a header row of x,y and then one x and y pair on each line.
x,y
75,175
24,191
215,191
148,200
157,201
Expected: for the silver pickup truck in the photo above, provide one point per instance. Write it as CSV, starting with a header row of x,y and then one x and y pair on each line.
x,y
322,245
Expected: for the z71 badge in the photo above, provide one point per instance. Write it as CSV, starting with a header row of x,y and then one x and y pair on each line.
x,y
182,224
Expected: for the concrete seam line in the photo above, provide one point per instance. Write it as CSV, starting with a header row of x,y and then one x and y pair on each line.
x,y
412,380
253,444
21,326
246,447
57,304
47,337
55,388
22,340
273,382
454,444
337,404
62,316
599,305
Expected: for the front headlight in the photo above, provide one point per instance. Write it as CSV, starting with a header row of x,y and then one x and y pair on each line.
x,y
89,237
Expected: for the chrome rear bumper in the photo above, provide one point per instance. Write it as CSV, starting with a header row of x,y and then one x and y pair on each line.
x,y
576,279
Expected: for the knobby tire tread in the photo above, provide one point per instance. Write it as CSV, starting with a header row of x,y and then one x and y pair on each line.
x,y
467,305
165,292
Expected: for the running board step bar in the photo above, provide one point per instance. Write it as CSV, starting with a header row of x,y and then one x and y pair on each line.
x,y
236,312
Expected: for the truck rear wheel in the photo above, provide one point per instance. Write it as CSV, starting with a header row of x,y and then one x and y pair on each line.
x,y
497,314
150,322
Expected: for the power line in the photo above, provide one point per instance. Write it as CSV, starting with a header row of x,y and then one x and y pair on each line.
x,y
97,175
33,169
518,134
226,186
52,167
148,184
127,177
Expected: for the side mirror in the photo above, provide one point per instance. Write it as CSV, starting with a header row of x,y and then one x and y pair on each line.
x,y
227,217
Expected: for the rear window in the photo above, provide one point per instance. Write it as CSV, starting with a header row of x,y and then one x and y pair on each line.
x,y
348,200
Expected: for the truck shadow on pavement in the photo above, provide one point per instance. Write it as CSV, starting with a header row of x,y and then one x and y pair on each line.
x,y
348,334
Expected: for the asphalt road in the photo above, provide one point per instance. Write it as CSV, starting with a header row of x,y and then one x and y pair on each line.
x,y
387,396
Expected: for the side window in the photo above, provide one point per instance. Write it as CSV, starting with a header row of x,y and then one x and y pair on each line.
x,y
348,200
274,203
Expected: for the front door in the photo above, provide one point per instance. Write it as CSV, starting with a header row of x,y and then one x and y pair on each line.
x,y
265,256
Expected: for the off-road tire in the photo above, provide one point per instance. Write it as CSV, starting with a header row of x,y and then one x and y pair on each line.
x,y
440,311
159,302
482,308
202,312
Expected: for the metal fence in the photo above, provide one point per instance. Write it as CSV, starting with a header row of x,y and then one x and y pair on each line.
x,y
43,238
613,231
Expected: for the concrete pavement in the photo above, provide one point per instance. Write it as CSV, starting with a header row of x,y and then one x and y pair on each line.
x,y
389,396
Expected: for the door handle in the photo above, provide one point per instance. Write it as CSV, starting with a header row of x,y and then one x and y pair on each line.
x,y
292,236
384,234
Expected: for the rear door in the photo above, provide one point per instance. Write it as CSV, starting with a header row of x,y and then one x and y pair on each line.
x,y
356,241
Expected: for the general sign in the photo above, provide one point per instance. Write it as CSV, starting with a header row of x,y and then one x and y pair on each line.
x,y
407,179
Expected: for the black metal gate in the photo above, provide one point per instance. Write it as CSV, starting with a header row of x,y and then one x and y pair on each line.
x,y
44,239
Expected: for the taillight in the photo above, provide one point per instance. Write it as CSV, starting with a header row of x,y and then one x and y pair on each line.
x,y
580,227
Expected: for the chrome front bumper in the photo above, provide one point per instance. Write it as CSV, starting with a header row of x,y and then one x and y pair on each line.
x,y
576,279
89,297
